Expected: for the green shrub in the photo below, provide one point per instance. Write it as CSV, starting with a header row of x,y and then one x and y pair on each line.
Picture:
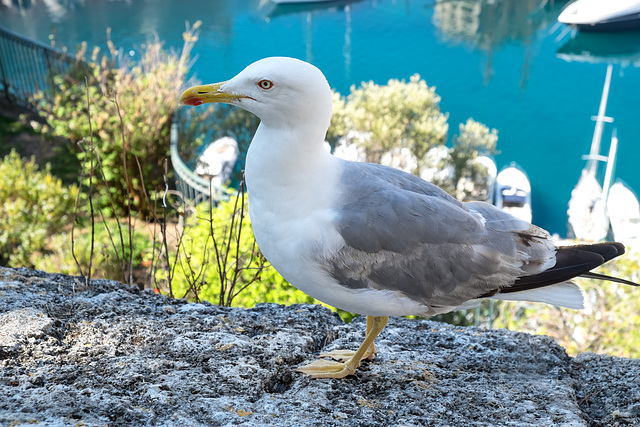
x,y
108,250
33,206
128,113
400,124
216,259
469,178
396,115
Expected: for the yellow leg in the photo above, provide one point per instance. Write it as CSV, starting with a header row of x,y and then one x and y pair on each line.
x,y
371,354
330,369
342,355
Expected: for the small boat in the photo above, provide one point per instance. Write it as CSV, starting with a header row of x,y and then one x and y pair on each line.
x,y
587,216
513,192
218,160
602,15
589,212
624,214
587,207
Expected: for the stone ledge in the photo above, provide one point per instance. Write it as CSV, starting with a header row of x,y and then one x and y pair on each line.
x,y
112,355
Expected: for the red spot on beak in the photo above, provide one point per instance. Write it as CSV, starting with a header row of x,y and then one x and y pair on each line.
x,y
193,101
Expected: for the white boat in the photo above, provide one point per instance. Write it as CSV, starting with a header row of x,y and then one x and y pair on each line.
x,y
513,192
218,160
624,214
587,216
602,15
587,206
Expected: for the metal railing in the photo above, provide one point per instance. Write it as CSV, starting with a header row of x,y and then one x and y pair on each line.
x,y
28,66
192,186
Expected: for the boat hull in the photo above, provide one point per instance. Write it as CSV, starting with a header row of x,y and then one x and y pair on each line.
x,y
624,23
600,15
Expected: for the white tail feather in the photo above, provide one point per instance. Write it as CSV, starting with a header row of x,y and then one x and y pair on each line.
x,y
566,294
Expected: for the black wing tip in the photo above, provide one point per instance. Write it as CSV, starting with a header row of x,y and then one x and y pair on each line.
x,y
573,261
607,250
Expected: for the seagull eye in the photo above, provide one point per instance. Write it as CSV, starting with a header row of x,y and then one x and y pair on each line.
x,y
265,84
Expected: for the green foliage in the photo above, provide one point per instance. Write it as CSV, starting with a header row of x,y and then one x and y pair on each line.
x,y
108,250
474,138
610,322
339,125
34,206
400,124
126,109
398,114
216,259
469,178
10,129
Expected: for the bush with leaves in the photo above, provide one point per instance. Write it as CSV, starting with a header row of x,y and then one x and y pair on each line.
x,y
130,110
401,125
34,206
215,258
108,254
467,177
399,114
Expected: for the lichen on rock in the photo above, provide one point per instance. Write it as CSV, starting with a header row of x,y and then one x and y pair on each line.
x,y
110,354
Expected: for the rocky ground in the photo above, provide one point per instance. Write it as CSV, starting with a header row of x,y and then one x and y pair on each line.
x,y
112,355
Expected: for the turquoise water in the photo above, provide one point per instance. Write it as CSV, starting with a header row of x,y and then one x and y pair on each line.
x,y
503,62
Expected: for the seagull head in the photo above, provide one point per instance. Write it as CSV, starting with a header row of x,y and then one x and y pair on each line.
x,y
282,92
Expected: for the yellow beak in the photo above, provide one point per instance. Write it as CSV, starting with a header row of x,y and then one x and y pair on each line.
x,y
199,95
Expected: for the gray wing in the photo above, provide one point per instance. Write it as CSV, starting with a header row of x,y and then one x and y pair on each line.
x,y
405,234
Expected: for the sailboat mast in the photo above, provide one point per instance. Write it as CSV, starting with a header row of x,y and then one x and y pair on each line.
x,y
600,119
611,160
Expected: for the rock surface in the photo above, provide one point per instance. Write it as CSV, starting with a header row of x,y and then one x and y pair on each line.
x,y
112,355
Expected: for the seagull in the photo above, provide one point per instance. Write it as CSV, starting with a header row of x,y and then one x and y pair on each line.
x,y
374,240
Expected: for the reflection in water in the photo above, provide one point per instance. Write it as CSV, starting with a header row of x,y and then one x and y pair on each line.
x,y
272,11
81,20
487,24
609,48
355,41
57,9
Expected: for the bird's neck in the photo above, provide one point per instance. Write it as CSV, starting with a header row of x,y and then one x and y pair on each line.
x,y
291,181
280,155
287,161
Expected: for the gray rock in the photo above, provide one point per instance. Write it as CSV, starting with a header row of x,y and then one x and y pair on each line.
x,y
113,355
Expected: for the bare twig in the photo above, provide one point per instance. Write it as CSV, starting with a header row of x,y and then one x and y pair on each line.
x,y
75,214
125,144
237,268
92,149
111,240
165,244
262,263
222,271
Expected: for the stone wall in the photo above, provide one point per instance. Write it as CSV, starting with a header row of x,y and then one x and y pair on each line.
x,y
112,355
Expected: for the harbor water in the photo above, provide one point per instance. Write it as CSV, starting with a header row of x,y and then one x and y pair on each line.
x,y
505,63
